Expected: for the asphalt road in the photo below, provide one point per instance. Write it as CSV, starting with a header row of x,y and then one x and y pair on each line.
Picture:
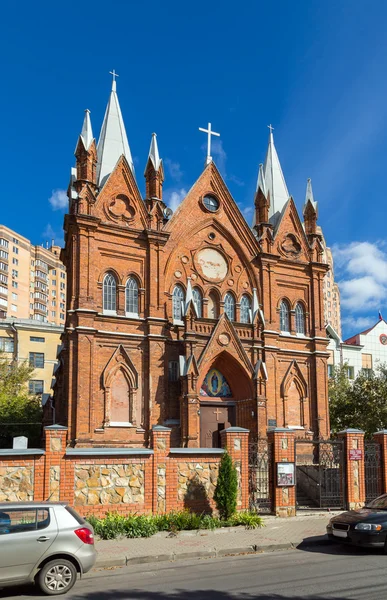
x,y
332,572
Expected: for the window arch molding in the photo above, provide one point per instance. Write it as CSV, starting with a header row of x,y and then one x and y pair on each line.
x,y
229,305
109,292
284,315
132,296
245,308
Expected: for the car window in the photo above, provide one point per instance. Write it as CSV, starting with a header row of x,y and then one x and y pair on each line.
x,y
22,520
380,502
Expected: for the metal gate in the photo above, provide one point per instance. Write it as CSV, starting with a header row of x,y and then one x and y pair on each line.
x,y
372,470
260,482
320,474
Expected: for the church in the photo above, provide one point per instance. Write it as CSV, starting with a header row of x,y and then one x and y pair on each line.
x,y
192,319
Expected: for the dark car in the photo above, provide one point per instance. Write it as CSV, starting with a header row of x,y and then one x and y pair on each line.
x,y
363,527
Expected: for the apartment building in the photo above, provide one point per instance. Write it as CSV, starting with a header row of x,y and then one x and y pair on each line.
x,y
32,280
331,292
27,340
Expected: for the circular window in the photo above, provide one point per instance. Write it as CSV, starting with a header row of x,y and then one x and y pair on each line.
x,y
211,203
211,236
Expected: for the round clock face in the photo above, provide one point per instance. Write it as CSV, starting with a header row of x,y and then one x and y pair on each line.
x,y
383,339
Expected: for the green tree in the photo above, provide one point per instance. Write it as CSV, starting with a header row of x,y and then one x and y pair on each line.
x,y
226,489
20,413
361,404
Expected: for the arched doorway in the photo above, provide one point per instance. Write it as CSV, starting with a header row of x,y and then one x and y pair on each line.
x,y
223,386
217,408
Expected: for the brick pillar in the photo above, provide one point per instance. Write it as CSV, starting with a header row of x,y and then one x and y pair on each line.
x,y
55,445
354,467
381,438
161,443
282,444
236,440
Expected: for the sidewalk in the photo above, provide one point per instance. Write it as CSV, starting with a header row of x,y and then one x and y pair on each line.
x,y
278,534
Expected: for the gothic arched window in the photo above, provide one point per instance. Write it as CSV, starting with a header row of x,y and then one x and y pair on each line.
x,y
300,318
229,306
109,293
284,316
245,309
131,296
198,301
177,300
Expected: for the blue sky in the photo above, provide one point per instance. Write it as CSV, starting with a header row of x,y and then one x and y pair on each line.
x,y
315,70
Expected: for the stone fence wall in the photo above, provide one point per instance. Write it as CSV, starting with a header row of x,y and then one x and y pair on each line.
x,y
160,479
141,480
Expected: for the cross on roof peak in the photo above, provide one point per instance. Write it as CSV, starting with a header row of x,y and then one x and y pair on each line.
x,y
209,134
114,79
271,128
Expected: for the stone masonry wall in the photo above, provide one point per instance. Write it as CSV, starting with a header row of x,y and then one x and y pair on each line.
x,y
196,482
16,483
109,484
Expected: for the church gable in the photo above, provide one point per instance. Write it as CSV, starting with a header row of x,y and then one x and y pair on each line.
x,y
224,338
119,201
290,240
210,241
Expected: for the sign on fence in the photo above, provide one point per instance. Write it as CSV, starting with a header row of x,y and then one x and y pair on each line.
x,y
355,454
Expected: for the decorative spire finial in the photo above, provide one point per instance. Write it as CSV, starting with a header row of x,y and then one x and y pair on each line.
x,y
87,132
114,83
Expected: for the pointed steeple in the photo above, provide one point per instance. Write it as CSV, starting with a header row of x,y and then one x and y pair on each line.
x,y
309,195
154,156
274,178
261,180
261,210
87,132
86,152
113,141
154,172
310,211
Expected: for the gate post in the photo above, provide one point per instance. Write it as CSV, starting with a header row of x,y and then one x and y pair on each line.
x,y
354,467
381,438
284,497
236,441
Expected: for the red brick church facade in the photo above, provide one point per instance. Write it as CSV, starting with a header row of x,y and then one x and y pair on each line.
x,y
192,320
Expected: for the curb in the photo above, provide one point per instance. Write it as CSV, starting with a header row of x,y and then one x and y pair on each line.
x,y
212,553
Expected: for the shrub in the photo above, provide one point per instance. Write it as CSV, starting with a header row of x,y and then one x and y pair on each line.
x,y
226,490
114,525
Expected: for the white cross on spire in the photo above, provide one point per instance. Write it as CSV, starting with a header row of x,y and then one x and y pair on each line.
x,y
209,134
271,128
114,85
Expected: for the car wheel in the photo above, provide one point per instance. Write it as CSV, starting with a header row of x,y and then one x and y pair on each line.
x,y
57,577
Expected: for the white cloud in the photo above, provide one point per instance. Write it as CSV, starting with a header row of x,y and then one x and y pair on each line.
x,y
58,199
49,234
174,169
361,271
173,197
236,180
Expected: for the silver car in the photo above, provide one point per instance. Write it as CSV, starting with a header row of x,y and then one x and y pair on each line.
x,y
44,542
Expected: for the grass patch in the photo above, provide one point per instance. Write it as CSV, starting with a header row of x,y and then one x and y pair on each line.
x,y
114,525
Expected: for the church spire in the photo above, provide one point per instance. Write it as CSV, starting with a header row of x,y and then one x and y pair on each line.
x,y
154,172
274,178
113,141
310,210
309,195
86,152
87,132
